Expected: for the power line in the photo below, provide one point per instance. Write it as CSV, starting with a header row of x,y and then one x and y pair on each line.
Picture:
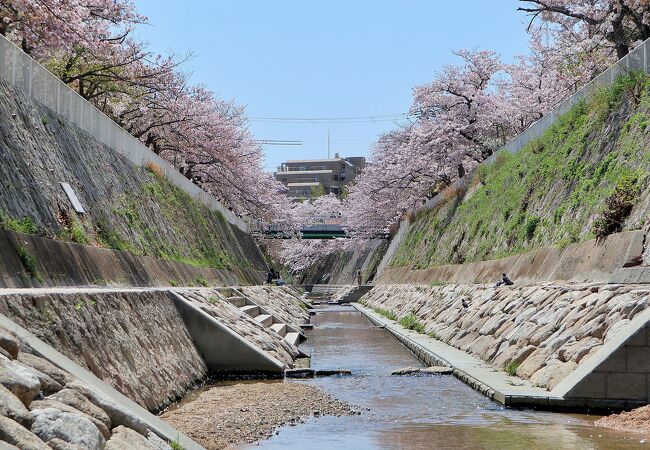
x,y
278,142
352,119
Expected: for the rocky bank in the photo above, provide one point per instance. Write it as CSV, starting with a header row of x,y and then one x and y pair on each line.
x,y
541,332
43,407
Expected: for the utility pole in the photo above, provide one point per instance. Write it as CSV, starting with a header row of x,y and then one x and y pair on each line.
x,y
328,144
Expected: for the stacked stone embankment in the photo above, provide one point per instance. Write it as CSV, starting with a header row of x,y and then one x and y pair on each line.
x,y
541,332
43,407
280,301
134,340
216,305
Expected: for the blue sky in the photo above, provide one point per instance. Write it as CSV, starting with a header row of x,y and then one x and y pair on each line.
x,y
326,59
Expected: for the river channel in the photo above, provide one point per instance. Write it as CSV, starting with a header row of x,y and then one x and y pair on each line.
x,y
419,412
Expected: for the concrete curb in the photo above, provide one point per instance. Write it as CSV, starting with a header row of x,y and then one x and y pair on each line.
x,y
156,425
489,381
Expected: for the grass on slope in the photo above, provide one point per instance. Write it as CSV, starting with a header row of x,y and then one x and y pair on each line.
x,y
551,192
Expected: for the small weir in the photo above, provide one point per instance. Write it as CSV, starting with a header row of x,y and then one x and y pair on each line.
x,y
421,411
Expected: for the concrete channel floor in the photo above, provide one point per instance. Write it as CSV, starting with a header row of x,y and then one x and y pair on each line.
x,y
490,381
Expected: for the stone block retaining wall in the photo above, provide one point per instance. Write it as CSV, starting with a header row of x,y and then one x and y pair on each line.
x,y
542,331
44,407
134,340
281,301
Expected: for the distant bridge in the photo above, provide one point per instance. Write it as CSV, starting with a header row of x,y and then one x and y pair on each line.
x,y
320,231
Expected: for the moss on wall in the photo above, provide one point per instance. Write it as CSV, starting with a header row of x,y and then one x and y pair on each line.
x,y
552,192
128,208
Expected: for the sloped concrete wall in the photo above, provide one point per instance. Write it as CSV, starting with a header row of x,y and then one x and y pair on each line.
x,y
222,349
586,261
62,263
268,342
134,340
341,267
126,207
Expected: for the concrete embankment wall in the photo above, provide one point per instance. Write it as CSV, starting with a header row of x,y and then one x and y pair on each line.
x,y
59,263
279,353
341,267
49,401
544,332
586,261
126,207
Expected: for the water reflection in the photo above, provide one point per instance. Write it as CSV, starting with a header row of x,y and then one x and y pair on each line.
x,y
419,412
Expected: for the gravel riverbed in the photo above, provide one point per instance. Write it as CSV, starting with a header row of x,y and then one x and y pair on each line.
x,y
236,413
637,420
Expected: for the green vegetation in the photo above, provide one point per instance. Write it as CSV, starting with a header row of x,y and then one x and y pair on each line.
x,y
434,336
29,262
577,181
176,445
77,233
619,204
411,322
387,314
511,369
317,191
24,225
174,282
205,233
201,281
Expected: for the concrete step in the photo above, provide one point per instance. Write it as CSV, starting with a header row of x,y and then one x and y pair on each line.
x,y
280,328
265,319
251,310
226,292
237,301
292,338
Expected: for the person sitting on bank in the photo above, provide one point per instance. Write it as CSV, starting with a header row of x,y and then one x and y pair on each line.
x,y
504,281
270,276
359,277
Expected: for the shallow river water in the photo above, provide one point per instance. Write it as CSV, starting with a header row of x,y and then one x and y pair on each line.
x,y
419,412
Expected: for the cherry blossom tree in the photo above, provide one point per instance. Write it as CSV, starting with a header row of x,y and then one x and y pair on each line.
x,y
458,126
88,45
584,27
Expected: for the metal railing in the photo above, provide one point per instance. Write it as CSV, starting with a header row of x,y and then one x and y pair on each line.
x,y
36,82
